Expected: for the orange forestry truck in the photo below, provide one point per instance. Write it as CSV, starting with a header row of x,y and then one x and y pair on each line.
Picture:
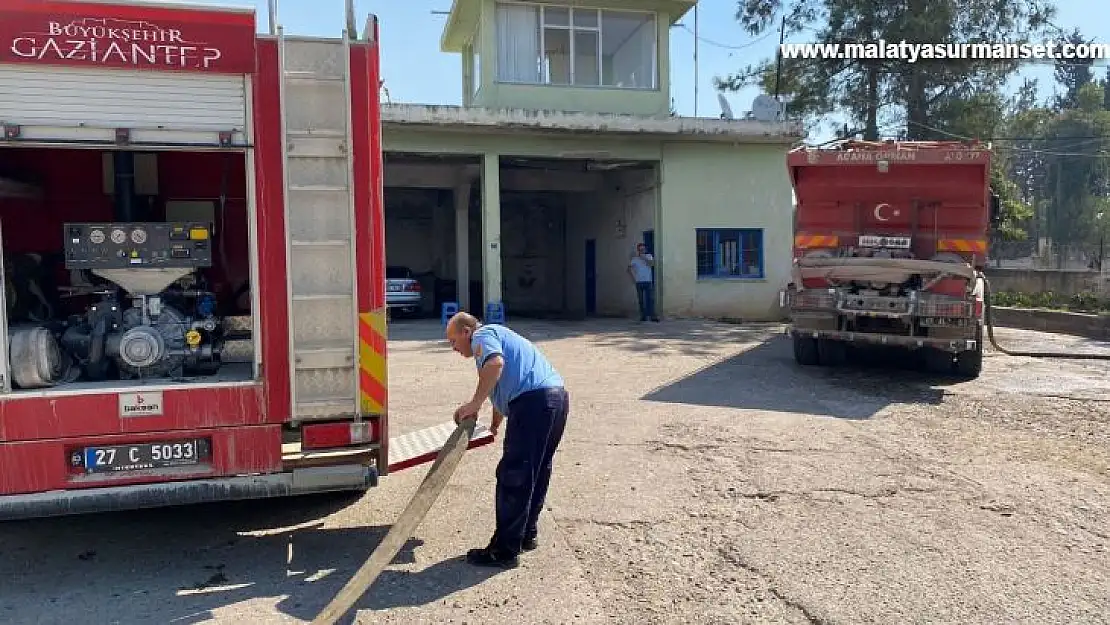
x,y
890,239
193,258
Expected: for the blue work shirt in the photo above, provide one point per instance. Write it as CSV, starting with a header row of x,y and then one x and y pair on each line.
x,y
525,369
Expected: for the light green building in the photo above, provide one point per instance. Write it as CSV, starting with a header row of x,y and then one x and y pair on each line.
x,y
564,155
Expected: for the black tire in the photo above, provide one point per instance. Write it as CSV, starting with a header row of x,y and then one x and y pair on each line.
x,y
937,361
805,351
969,364
832,353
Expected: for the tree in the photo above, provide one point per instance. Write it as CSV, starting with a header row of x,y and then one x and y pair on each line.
x,y
875,92
1073,74
1065,158
1106,91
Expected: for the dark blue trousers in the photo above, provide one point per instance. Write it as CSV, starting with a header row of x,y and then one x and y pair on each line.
x,y
645,296
534,427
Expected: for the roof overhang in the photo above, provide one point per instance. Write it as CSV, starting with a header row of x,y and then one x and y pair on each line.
x,y
464,16
472,119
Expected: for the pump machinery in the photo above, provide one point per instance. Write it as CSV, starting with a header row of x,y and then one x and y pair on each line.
x,y
154,317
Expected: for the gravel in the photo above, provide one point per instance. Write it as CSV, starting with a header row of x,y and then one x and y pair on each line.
x,y
704,478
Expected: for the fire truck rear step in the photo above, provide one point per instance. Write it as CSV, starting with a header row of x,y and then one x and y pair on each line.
x,y
422,446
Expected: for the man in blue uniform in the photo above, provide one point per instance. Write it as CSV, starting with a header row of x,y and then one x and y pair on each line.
x,y
523,386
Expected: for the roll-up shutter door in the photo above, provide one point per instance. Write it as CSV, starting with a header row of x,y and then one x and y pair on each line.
x,y
65,105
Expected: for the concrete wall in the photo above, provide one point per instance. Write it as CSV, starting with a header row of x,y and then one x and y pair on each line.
x,y
410,232
615,217
1065,283
723,186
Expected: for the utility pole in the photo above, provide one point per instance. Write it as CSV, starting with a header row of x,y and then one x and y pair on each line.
x,y
778,63
696,59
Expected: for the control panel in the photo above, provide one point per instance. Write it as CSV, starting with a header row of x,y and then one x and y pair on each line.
x,y
107,245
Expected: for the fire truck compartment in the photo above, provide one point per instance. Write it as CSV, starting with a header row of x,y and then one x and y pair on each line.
x,y
125,269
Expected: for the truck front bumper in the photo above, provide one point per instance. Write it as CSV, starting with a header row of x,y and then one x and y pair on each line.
x,y
115,498
954,345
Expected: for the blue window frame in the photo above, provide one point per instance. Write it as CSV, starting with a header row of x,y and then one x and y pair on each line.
x,y
730,253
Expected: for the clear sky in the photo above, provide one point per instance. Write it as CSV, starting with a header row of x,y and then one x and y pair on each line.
x,y
416,71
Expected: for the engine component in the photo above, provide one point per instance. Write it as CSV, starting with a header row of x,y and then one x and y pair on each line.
x,y
152,347
171,328
36,358
150,340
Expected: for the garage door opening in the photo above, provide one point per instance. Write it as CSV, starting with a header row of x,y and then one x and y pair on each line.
x,y
125,269
569,228
432,218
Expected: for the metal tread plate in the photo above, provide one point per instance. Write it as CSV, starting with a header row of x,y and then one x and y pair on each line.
x,y
421,446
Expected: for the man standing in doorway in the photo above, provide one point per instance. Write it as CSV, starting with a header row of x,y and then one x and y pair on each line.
x,y
640,268
522,385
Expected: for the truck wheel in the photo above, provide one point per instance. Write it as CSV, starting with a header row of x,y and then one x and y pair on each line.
x,y
969,364
832,353
937,361
805,351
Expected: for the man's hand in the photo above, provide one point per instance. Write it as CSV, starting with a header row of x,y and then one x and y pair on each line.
x,y
469,409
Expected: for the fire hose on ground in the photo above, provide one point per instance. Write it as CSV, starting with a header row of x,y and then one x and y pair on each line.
x,y
989,323
430,489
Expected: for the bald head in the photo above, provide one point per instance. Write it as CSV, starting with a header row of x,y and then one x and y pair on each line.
x,y
463,319
460,328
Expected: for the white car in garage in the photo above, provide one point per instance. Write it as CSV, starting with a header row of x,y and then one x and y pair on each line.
x,y
402,291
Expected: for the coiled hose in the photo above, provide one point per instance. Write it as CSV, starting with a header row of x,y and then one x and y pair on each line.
x,y
987,321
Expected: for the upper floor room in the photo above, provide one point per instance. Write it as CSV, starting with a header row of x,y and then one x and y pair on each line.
x,y
594,56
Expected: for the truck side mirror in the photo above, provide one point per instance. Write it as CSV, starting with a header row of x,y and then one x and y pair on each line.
x,y
996,209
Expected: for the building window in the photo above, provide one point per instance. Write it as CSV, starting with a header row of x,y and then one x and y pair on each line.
x,y
730,253
558,45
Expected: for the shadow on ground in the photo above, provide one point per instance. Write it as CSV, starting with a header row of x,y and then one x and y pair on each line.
x,y
766,378
693,337
177,565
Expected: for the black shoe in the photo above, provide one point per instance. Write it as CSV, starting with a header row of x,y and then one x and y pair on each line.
x,y
655,319
492,556
529,544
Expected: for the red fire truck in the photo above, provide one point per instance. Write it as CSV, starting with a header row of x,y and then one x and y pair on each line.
x,y
193,260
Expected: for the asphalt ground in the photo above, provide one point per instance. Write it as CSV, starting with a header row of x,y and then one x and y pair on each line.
x,y
703,478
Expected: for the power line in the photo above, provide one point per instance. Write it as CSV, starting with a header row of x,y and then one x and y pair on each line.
x,y
725,45
1012,149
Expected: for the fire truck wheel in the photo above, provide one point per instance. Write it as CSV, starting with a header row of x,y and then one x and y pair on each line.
x,y
805,351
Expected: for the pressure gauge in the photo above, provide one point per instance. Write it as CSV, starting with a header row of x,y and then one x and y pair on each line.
x,y
118,236
96,236
138,236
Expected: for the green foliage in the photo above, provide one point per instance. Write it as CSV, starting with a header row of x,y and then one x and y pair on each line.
x,y
1073,74
1014,212
1085,301
876,93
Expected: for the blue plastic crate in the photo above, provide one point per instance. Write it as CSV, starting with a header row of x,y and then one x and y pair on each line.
x,y
495,312
448,310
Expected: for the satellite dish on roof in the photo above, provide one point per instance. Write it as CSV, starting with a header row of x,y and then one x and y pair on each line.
x,y
726,110
766,108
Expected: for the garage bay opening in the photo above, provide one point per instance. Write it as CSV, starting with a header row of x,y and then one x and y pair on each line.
x,y
124,268
555,235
